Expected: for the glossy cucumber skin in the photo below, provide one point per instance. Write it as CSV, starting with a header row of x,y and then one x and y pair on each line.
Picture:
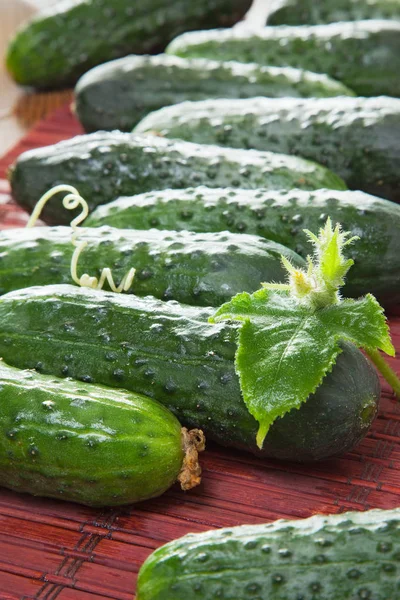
x,y
105,165
85,443
54,48
170,352
308,12
281,216
117,94
351,556
364,55
358,138
200,269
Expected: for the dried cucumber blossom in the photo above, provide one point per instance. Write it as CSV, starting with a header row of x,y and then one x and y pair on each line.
x,y
72,201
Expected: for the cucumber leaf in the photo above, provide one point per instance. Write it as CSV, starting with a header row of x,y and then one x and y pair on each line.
x,y
360,321
285,349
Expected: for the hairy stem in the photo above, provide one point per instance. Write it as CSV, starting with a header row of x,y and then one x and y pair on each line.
x,y
386,371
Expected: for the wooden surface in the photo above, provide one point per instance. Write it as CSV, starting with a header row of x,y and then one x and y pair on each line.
x,y
53,550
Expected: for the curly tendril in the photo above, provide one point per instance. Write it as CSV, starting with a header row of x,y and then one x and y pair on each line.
x,y
72,201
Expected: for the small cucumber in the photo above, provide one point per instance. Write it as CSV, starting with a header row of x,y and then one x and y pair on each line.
x,y
280,216
204,269
119,93
59,44
351,556
364,55
170,352
307,12
103,166
358,138
87,443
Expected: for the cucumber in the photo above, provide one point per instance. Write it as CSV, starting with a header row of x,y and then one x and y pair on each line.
x,y
85,443
118,94
307,12
170,352
358,138
201,269
280,216
103,166
351,556
364,55
60,44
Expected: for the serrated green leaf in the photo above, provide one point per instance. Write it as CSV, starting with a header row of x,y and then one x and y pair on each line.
x,y
285,349
359,321
283,353
289,338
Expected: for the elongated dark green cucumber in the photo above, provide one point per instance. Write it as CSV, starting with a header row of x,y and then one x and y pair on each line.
x,y
204,269
119,93
105,165
307,12
85,443
280,216
352,556
170,352
365,55
60,44
358,138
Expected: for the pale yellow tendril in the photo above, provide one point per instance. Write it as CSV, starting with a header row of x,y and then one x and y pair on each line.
x,y
72,201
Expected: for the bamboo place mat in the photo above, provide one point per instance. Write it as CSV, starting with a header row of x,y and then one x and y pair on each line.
x,y
56,550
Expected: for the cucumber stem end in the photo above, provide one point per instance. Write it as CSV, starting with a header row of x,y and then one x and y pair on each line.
x,y
193,442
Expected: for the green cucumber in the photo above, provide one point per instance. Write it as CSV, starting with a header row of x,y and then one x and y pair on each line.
x,y
280,216
351,556
308,12
204,269
103,166
85,443
364,55
170,352
119,93
60,44
358,138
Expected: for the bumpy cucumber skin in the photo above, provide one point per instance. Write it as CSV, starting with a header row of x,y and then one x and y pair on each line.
x,y
200,269
308,12
103,166
119,93
55,48
352,556
170,352
364,55
84,443
280,216
358,138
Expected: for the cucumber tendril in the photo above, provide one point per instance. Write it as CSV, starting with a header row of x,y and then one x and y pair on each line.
x,y
72,201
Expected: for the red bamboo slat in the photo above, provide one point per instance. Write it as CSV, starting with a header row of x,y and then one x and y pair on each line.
x,y
53,550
